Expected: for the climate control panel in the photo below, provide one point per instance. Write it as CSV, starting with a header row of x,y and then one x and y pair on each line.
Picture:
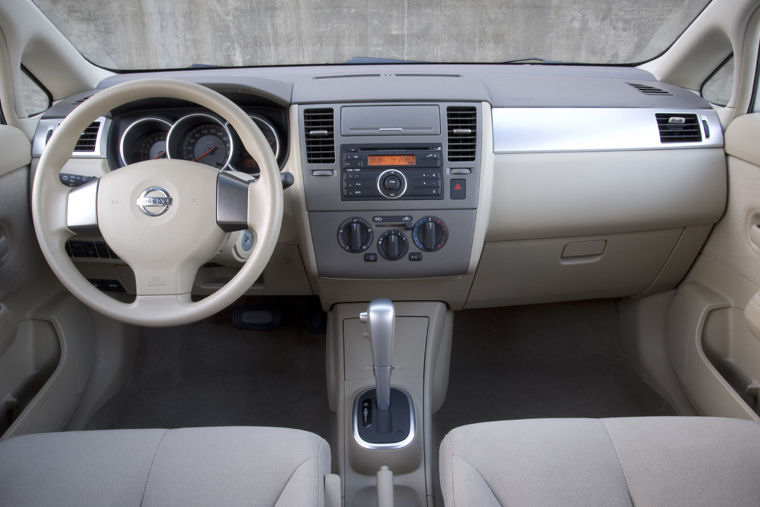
x,y
382,245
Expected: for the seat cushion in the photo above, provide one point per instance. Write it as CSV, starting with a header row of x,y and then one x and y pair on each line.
x,y
190,466
659,461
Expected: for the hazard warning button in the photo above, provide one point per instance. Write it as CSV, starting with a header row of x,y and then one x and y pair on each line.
x,y
458,188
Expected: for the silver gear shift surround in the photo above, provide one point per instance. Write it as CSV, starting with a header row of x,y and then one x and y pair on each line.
x,y
381,323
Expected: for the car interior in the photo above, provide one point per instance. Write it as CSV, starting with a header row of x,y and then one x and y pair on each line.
x,y
380,280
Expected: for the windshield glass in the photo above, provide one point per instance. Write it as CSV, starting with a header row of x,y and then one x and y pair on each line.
x,y
159,34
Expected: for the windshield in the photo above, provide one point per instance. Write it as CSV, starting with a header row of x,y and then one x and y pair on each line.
x,y
160,34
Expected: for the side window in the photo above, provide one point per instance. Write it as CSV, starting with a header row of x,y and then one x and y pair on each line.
x,y
35,97
717,89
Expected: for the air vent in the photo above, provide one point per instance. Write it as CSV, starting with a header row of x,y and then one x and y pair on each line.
x,y
463,124
89,138
678,128
318,125
649,90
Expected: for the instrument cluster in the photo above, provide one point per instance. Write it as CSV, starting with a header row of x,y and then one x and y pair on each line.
x,y
198,136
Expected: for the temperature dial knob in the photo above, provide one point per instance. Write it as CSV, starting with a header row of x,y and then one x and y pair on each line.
x,y
430,233
392,245
355,235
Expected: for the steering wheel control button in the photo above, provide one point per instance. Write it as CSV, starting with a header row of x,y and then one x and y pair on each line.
x,y
392,245
154,201
458,188
430,234
355,235
391,184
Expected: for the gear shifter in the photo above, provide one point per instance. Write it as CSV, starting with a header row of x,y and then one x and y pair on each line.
x,y
381,321
383,416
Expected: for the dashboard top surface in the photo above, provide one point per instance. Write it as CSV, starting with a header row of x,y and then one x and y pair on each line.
x,y
499,85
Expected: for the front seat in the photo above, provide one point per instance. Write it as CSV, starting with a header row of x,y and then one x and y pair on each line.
x,y
667,461
252,466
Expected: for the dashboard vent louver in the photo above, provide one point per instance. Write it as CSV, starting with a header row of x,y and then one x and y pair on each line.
x,y
89,138
462,126
650,90
318,126
678,128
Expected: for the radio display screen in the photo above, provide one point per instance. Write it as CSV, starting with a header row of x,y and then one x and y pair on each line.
x,y
390,160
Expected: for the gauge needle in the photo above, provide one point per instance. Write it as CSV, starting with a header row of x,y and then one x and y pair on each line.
x,y
207,152
159,155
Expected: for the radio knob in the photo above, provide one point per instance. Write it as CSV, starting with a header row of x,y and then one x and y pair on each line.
x,y
391,184
392,245
430,233
355,235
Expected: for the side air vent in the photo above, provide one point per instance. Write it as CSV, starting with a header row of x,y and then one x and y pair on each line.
x,y
89,138
318,126
463,125
649,90
678,128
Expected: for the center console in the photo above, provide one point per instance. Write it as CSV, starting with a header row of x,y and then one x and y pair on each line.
x,y
391,189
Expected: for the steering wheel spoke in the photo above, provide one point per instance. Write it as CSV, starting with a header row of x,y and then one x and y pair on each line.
x,y
231,202
82,207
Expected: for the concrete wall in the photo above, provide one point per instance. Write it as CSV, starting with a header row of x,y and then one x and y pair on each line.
x,y
178,33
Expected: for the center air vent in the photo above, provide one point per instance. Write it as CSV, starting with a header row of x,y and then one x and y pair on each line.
x,y
89,138
318,126
650,90
463,125
678,128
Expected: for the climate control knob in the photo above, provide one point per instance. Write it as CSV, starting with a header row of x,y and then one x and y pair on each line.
x,y
392,245
355,235
430,233
391,184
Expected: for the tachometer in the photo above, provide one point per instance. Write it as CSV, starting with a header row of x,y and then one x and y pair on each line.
x,y
144,139
200,138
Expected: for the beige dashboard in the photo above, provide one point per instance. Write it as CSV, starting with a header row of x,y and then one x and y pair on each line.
x,y
561,203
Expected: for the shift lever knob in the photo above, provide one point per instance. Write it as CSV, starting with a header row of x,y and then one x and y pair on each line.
x,y
381,321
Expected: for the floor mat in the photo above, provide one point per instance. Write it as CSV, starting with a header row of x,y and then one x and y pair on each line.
x,y
211,374
553,360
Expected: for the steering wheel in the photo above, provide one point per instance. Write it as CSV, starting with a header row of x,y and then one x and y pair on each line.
x,y
165,218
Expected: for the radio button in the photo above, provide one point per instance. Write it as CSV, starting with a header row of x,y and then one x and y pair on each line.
x,y
391,184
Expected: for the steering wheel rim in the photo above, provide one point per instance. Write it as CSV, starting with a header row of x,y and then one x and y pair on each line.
x,y
52,208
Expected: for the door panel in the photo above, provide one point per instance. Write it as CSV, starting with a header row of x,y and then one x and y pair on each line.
x,y
713,327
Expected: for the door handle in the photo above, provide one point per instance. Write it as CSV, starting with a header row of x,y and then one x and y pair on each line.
x,y
5,248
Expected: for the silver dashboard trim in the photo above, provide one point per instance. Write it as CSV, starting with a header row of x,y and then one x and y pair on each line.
x,y
46,125
82,207
393,445
530,130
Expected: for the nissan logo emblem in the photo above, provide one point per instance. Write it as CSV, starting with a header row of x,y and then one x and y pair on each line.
x,y
154,201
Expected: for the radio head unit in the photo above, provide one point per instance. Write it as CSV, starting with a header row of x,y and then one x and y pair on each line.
x,y
376,172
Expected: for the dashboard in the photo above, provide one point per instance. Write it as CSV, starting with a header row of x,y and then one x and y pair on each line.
x,y
477,185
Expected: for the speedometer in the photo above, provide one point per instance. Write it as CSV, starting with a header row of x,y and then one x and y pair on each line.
x,y
200,138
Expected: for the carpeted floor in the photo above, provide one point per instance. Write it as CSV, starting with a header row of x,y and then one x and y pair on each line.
x,y
212,374
553,360
556,360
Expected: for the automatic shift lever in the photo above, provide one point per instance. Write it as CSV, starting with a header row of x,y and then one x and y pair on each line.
x,y
381,320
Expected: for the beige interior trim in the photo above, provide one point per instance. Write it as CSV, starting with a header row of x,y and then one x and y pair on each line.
x,y
15,148
752,314
741,138
31,38
716,32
